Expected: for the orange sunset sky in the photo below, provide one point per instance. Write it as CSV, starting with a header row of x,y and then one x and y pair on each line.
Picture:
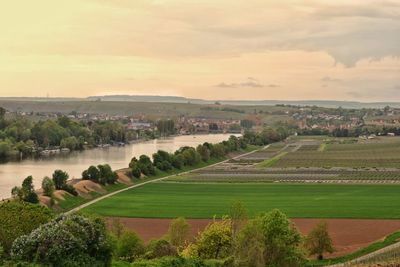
x,y
210,49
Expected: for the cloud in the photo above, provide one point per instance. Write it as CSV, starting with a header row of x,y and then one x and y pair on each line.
x,y
249,82
346,30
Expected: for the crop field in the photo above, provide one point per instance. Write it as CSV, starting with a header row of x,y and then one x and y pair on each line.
x,y
204,200
380,154
311,176
311,160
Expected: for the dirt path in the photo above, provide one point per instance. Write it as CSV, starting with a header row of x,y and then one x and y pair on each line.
x,y
155,180
348,235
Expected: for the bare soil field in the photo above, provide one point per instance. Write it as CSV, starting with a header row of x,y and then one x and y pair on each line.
x,y
348,235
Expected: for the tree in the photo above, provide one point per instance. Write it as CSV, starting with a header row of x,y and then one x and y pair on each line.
x,y
162,160
248,124
26,192
218,151
249,246
215,242
107,176
2,113
204,152
60,179
93,173
135,170
270,240
238,216
178,161
318,240
5,148
146,166
48,187
129,246
70,142
179,232
191,156
69,240
116,227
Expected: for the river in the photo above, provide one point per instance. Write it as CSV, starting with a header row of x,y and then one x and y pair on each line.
x,y
12,173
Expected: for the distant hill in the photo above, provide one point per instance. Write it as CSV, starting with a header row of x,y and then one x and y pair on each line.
x,y
184,100
178,99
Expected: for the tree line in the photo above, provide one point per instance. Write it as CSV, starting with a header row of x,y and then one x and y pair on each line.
x,y
23,137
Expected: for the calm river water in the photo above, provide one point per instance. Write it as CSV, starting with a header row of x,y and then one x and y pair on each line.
x,y
12,173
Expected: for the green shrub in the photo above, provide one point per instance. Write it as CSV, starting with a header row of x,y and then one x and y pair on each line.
x,y
129,246
20,218
160,248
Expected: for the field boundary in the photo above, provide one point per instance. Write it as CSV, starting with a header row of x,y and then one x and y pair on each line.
x,y
157,180
368,256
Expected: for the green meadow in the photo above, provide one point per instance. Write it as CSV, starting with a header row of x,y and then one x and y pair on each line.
x,y
206,200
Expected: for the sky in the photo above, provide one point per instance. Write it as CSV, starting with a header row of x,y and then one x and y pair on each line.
x,y
209,49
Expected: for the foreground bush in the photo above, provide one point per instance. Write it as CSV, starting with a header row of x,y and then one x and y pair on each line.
x,y
69,240
129,246
269,240
19,218
181,262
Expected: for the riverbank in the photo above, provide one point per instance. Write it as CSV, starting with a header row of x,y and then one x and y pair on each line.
x,y
13,173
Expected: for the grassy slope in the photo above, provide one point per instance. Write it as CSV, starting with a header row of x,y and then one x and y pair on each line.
x,y
169,200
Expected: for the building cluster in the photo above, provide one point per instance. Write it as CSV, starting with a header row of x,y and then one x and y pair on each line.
x,y
188,125
326,121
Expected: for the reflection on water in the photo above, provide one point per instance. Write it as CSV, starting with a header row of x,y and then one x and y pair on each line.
x,y
12,173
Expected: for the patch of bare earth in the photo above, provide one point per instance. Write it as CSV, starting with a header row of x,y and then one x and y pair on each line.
x,y
84,187
123,178
60,194
45,200
348,235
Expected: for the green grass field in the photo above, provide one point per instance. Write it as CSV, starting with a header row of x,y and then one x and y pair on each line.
x,y
202,200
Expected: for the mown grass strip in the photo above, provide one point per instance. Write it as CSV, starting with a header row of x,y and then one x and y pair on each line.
x,y
270,162
204,200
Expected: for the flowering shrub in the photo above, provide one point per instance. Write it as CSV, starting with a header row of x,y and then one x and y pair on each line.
x,y
69,240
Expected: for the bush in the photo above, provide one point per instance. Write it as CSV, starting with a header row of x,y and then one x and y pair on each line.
x,y
20,218
129,246
160,248
181,262
69,240
48,186
70,189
